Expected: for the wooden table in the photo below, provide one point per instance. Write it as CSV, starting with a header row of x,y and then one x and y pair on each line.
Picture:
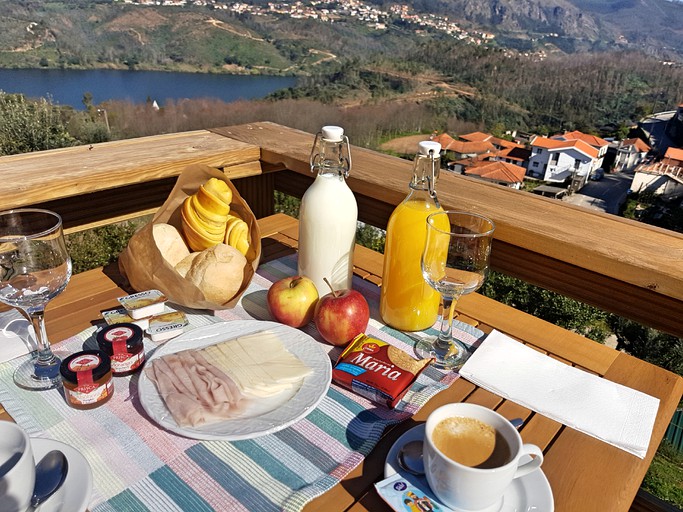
x,y
585,474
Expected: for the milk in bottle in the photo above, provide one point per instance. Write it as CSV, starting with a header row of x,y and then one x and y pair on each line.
x,y
328,214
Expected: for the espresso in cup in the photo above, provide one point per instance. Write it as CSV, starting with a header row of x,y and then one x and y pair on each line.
x,y
472,454
471,442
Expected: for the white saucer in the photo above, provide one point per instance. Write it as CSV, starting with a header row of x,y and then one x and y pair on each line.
x,y
529,493
74,494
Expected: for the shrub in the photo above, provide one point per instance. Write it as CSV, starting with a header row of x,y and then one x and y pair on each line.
x,y
100,246
27,125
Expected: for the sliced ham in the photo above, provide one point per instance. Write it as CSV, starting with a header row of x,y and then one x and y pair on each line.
x,y
194,391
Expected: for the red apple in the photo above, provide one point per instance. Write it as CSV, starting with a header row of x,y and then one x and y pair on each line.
x,y
292,300
341,315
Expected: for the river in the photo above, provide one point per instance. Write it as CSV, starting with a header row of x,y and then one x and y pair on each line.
x,y
67,86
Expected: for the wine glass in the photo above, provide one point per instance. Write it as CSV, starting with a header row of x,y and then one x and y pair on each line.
x,y
34,268
455,261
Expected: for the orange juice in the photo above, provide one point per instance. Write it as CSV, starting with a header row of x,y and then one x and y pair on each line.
x,y
407,302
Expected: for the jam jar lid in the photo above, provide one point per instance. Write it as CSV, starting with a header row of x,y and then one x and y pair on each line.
x,y
94,361
120,337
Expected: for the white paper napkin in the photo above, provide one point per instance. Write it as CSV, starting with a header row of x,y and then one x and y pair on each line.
x,y
616,414
16,335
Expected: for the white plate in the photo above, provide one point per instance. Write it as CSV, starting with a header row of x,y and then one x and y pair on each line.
x,y
263,416
529,493
74,494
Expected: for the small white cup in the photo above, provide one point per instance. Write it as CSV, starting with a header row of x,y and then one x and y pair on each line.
x,y
460,486
17,468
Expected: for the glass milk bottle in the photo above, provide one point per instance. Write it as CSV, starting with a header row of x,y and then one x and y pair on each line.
x,y
407,302
328,214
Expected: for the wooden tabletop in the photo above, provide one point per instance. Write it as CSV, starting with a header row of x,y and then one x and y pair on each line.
x,y
585,474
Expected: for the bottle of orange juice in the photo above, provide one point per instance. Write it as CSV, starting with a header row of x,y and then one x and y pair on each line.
x,y
407,302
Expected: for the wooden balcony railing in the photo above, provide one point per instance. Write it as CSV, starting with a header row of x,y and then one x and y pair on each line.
x,y
621,266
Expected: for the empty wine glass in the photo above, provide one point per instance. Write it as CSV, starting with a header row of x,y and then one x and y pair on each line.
x,y
455,261
34,268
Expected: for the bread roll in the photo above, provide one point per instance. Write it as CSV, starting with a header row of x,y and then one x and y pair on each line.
x,y
184,265
218,272
170,243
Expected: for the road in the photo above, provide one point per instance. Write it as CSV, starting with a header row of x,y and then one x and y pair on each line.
x,y
606,195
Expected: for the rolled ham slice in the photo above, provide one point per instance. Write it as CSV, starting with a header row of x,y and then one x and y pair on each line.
x,y
194,391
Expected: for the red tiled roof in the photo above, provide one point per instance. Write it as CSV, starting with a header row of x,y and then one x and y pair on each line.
x,y
498,171
638,143
515,153
593,140
444,139
475,137
508,144
674,154
546,143
448,143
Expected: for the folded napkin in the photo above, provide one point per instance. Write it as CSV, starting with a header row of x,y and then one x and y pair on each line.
x,y
615,414
16,335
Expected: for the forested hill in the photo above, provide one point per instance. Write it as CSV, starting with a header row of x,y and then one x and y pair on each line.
x,y
655,26
222,37
392,67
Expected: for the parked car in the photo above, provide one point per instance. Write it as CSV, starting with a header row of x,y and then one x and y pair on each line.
x,y
598,174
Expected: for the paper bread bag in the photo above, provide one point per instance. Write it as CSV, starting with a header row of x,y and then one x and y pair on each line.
x,y
142,263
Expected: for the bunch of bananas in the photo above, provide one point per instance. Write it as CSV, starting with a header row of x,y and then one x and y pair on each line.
x,y
207,221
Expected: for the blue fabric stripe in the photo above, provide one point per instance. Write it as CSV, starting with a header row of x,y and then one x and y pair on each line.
x,y
230,480
179,491
127,501
272,465
315,455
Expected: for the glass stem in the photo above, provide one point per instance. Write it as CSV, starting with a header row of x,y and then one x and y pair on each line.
x,y
37,316
448,309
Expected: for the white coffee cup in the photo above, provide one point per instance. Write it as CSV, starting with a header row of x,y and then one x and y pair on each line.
x,y
472,488
17,468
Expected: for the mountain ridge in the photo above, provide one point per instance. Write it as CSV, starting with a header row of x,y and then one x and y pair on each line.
x,y
655,26
86,34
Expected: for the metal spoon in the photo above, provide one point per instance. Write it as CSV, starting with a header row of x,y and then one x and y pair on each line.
x,y
410,455
50,475
410,458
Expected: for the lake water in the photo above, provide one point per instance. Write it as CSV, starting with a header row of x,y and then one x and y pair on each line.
x,y
66,87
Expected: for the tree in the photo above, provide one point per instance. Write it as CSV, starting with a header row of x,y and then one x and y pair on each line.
x,y
27,126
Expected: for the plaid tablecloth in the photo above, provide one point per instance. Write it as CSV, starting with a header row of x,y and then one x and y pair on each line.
x,y
139,466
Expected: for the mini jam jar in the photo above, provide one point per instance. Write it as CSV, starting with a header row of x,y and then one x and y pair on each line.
x,y
87,379
124,345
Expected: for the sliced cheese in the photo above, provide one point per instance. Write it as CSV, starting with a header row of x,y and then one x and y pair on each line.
x,y
259,363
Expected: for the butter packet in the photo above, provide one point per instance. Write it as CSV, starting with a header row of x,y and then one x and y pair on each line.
x,y
167,325
144,304
406,493
121,316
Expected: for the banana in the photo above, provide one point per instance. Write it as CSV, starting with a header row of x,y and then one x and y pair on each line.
x,y
237,234
210,229
205,213
207,220
196,239
219,189
211,202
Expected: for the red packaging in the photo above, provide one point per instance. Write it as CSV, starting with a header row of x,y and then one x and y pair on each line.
x,y
377,370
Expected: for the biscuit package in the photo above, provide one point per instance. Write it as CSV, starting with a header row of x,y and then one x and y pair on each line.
x,y
377,370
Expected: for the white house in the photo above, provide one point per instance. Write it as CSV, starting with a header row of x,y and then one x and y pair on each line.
x,y
664,178
630,153
598,143
558,161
